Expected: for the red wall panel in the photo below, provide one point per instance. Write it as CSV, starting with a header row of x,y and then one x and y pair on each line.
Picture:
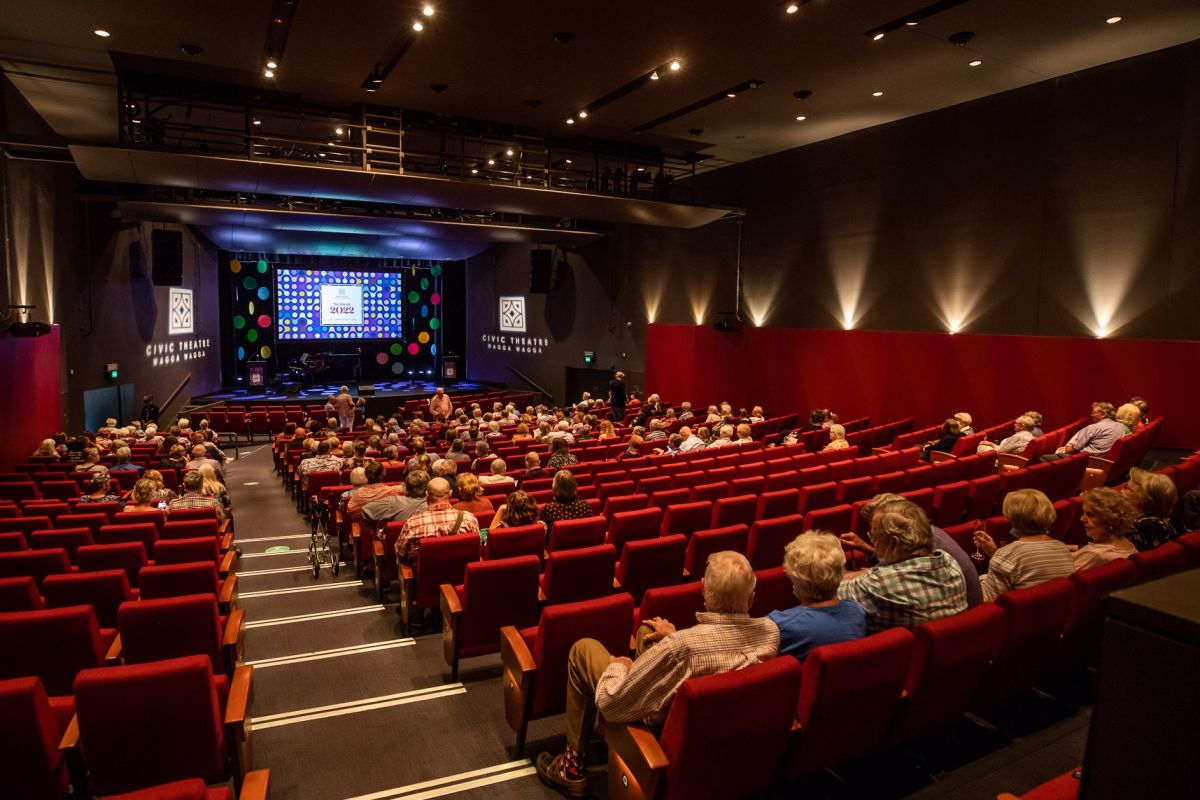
x,y
927,375
29,404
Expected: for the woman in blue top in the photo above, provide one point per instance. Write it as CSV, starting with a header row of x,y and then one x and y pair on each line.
x,y
815,563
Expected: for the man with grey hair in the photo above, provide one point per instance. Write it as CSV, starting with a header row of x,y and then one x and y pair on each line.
x,y
200,458
1022,435
123,464
690,440
724,437
913,582
725,638
656,431
815,563
1097,438
193,485
438,518
533,468
398,508
447,469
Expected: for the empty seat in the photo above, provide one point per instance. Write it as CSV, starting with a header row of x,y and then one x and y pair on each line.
x,y
836,520
579,574
854,489
677,604
647,563
103,591
1164,560
144,532
34,768
739,510
36,564
1079,645
817,496
189,528
768,538
171,627
69,539
440,559
573,533
711,491
950,503
772,592
127,556
494,594
627,502
25,525
985,493
630,525
53,644
198,577
522,540
686,518
704,543
19,594
93,522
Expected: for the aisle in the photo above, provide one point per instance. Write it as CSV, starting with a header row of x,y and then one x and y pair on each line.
x,y
345,705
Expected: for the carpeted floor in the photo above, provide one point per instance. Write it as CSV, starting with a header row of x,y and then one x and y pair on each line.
x,y
380,718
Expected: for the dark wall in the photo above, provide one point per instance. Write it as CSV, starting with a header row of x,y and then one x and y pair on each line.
x,y
1066,208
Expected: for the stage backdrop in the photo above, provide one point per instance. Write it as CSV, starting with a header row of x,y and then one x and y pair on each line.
x,y
930,376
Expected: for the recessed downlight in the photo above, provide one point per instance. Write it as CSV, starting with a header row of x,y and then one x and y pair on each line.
x,y
801,118
339,130
509,152
418,26
583,114
270,73
570,120
103,34
876,94
878,36
272,63
427,10
974,63
675,65
1110,21
792,8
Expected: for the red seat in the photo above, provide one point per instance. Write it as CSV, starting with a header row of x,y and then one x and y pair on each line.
x,y
686,518
13,542
817,496
772,592
440,559
19,594
646,563
704,750
19,490
144,532
704,543
985,493
127,556
59,490
670,497
923,498
36,564
866,675
890,482
198,577
749,484
920,477
630,525
535,659
626,502
779,503
147,724
494,594
574,533
53,644
32,765
103,591
172,627
711,492
93,522
614,489
108,508
522,540
950,658
786,479
25,525
188,528
1033,620
855,489
768,538
1079,645
836,520
1164,560
950,503
189,514
739,510
677,604
69,539
580,574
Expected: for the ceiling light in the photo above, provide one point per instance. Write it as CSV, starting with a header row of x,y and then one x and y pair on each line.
x,y
508,152
801,118
876,94
731,94
427,10
103,34
491,162
272,63
974,63
474,171
792,8
270,73
654,75
418,26
583,114
569,161
338,130
257,121
911,24
1110,21
570,120
878,36
675,65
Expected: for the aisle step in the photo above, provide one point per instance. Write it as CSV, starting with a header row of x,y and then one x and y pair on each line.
x,y
266,623
357,706
452,784
336,652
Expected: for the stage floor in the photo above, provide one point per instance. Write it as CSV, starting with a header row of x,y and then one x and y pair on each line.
x,y
395,390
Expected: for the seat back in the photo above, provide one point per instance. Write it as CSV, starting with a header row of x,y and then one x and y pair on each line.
x,y
686,518
772,591
103,591
19,594
173,580
127,556
1080,643
144,532
522,540
646,563
25,525
146,724
775,504
769,537
442,559
183,551
714,753
190,514
36,564
605,619
985,492
859,680
624,502
33,767
816,496
177,528
69,539
854,489
575,533
950,502
835,519
580,574
705,543
53,644
82,519
1164,560
950,657
734,511
630,525
171,627
495,594
677,604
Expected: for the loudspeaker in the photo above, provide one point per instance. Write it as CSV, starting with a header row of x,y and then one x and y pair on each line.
x,y
541,267
166,257
366,390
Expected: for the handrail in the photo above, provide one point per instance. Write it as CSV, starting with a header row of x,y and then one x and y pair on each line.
x,y
162,410
528,380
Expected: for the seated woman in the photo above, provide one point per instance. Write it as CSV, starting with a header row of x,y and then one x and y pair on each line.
x,y
1130,416
176,458
634,450
210,486
964,423
566,503
519,509
1153,497
47,450
560,454
99,490
522,433
815,563
161,493
607,431
1107,520
143,497
1035,557
837,439
472,495
951,433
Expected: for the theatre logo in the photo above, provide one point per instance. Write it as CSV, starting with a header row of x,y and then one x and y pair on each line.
x,y
512,314
532,345
180,305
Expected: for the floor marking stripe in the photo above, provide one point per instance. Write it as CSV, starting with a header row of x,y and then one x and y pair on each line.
x,y
356,706
266,623
356,584
439,787
275,538
303,552
274,571
336,652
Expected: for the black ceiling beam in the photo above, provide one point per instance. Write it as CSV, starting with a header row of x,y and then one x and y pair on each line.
x,y
628,88
724,94
914,17
283,12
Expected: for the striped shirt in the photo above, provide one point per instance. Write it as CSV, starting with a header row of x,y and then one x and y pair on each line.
x,y
717,643
1026,563
909,592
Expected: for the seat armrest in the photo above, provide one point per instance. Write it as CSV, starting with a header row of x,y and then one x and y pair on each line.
x,y
519,680
514,653
541,596
451,617
226,564
113,656
237,721
69,746
938,455
228,596
223,526
226,542
636,761
233,640
1099,463
70,738
254,785
1011,461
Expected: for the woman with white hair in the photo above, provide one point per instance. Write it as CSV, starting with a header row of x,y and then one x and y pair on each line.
x,y
837,438
815,563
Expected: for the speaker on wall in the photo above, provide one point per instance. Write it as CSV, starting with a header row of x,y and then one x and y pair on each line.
x,y
541,265
166,257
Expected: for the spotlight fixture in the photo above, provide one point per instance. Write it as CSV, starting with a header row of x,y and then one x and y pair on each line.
x,y
256,121
570,120
193,50
911,23
103,34
876,94
878,36
270,73
474,170
583,114
802,94
418,26
801,118
961,39
974,63
1110,21
272,63
654,75
731,94
509,152
373,81
427,10
568,161
792,8
338,130
675,65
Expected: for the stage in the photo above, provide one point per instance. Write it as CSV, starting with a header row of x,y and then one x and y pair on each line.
x,y
386,398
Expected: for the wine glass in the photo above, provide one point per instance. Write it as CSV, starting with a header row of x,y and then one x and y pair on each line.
x,y
980,527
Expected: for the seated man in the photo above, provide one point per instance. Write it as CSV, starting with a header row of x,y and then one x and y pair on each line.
x,y
497,474
913,582
725,638
815,563
439,518
123,464
724,437
448,469
200,457
371,489
193,484
396,507
1021,437
1097,438
656,431
323,461
533,468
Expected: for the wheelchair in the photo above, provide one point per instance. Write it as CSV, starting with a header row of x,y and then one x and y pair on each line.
x,y
323,545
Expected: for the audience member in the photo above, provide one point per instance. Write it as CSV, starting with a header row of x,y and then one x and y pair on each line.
x,y
438,518
323,461
447,469
211,487
91,461
1153,497
48,449
533,468
837,438
497,474
815,563
1021,437
143,497
616,397
193,497
200,457
964,423
566,503
690,440
1107,520
99,490
1036,430
724,437
560,454
471,495
1035,557
440,404
951,433
1130,416
394,507
1096,438
162,494
607,431
518,509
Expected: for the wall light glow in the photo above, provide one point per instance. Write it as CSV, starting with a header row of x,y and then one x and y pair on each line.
x,y
1111,248
848,270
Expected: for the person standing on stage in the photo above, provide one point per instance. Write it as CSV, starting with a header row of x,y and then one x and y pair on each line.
x,y
616,397
440,405
344,405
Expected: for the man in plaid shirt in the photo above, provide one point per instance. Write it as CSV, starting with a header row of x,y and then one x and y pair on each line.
x,y
724,639
438,519
913,582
